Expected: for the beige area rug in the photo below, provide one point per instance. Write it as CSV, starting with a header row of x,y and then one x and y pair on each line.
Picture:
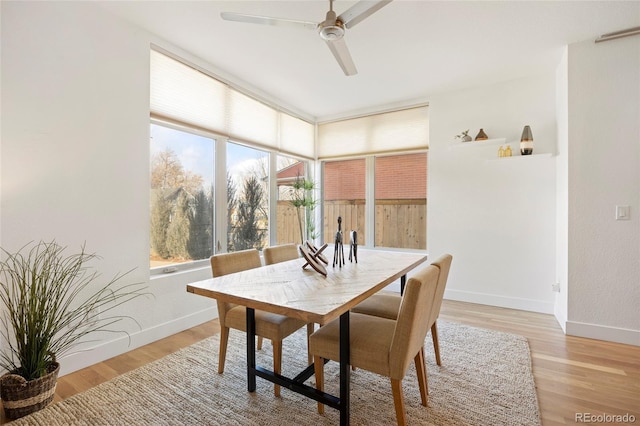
x,y
485,379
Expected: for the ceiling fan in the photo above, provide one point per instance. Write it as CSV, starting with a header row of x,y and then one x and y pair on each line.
x,y
331,30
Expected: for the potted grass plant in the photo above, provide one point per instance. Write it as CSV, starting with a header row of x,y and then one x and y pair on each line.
x,y
49,303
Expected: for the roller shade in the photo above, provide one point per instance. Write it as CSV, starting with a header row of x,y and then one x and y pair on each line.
x,y
292,131
188,96
404,129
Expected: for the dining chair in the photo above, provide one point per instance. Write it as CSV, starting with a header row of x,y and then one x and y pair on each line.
x,y
381,345
280,253
283,253
386,304
270,326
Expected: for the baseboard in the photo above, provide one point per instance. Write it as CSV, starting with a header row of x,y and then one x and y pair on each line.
x,y
560,317
603,332
120,345
500,301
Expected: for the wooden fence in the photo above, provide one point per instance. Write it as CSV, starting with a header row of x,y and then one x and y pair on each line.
x,y
287,222
399,223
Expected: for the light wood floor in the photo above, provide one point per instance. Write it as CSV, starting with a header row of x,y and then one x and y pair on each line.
x,y
572,375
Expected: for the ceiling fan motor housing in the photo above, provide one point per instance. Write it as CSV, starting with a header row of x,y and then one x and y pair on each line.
x,y
332,28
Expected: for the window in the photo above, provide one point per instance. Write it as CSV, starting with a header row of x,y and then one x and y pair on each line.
x,y
385,190
296,202
181,228
192,110
247,198
344,197
401,201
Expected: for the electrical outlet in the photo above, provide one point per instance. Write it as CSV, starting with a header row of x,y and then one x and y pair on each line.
x,y
556,287
623,212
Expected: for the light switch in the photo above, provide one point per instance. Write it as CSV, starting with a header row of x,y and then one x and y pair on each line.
x,y
622,212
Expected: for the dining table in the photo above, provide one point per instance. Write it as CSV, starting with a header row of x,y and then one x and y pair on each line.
x,y
287,288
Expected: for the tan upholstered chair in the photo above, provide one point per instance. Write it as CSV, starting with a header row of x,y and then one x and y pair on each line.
x,y
282,253
384,346
270,326
386,304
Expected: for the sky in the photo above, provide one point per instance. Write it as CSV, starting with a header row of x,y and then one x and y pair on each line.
x,y
196,153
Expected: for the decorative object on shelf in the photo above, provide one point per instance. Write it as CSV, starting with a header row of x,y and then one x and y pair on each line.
x,y
338,251
312,261
526,141
353,246
464,136
42,316
505,151
481,136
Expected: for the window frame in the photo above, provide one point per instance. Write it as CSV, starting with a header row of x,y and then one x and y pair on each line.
x,y
200,263
219,189
369,194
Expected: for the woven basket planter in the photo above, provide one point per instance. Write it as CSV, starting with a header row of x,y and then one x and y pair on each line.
x,y
21,397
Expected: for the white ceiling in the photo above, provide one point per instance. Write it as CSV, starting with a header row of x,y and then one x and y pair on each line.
x,y
405,52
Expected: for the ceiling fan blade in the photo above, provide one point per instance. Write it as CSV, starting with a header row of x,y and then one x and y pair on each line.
x,y
341,53
265,20
360,11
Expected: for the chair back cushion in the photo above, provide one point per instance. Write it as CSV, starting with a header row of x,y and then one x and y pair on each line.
x,y
228,263
412,324
281,253
444,264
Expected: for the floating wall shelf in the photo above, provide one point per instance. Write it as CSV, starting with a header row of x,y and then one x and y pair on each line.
x,y
521,157
488,142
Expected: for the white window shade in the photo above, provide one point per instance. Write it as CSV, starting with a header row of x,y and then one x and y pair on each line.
x,y
181,93
296,136
385,132
251,120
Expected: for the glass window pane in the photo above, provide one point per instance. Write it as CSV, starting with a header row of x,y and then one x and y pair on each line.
x,y
401,201
247,198
296,202
181,228
344,196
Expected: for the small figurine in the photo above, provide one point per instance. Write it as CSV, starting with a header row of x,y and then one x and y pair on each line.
x,y
464,136
353,246
338,251
482,136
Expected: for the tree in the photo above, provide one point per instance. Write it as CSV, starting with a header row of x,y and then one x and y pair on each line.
x,y
231,208
199,245
302,199
167,173
160,217
179,226
247,233
175,208
165,170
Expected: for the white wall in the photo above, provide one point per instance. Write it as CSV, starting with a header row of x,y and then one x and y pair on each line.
x,y
74,166
562,191
496,216
604,171
75,154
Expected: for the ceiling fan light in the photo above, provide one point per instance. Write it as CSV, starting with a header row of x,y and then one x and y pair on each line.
x,y
331,32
